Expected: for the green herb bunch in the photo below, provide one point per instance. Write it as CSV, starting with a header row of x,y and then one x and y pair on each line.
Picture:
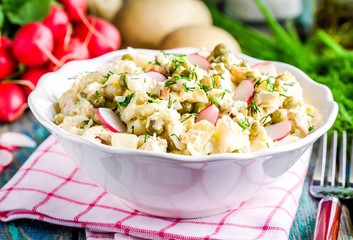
x,y
15,13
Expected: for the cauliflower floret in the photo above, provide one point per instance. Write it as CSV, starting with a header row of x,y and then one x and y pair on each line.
x,y
267,102
74,124
98,134
112,86
198,138
124,66
154,143
83,107
288,85
140,83
135,106
300,123
230,137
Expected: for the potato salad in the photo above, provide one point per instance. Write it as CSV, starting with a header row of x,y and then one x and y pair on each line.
x,y
193,104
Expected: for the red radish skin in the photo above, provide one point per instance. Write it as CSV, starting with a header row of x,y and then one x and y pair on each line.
x,y
6,158
16,139
196,59
33,44
109,119
244,91
100,35
33,74
12,102
267,68
75,9
160,77
58,22
24,84
8,61
209,113
280,130
74,50
9,148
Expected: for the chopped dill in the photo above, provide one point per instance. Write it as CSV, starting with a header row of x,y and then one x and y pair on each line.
x,y
283,95
214,100
263,120
173,134
188,89
254,108
190,115
126,101
170,83
169,101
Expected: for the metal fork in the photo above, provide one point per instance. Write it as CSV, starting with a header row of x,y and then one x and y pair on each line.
x,y
331,183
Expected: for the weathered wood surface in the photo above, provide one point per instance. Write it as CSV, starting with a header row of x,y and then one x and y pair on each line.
x,y
25,228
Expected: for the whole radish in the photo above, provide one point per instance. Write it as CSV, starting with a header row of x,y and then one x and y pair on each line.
x,y
101,35
33,74
8,61
58,22
75,9
74,50
12,102
33,44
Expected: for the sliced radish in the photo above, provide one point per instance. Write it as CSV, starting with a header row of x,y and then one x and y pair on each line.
x,y
9,148
209,113
67,106
160,77
279,130
6,158
198,60
244,91
267,68
15,139
111,120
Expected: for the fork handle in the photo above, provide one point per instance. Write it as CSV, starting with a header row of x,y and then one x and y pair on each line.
x,y
328,219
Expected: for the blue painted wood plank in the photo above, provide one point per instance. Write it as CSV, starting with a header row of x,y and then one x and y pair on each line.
x,y
25,228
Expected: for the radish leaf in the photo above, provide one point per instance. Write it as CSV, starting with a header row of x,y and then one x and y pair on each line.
x,y
21,12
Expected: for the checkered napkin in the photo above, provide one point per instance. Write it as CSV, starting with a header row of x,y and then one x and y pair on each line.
x,y
49,187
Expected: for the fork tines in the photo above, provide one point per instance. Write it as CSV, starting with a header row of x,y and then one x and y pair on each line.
x,y
328,179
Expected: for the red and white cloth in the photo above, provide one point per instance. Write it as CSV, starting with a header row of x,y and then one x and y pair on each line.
x,y
49,187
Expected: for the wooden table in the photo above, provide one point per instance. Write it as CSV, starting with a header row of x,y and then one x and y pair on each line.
x,y
302,228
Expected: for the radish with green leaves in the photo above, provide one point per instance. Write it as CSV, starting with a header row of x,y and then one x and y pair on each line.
x,y
109,119
100,35
33,44
12,102
209,113
8,61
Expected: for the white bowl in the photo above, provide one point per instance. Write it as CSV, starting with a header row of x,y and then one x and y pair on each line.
x,y
171,185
